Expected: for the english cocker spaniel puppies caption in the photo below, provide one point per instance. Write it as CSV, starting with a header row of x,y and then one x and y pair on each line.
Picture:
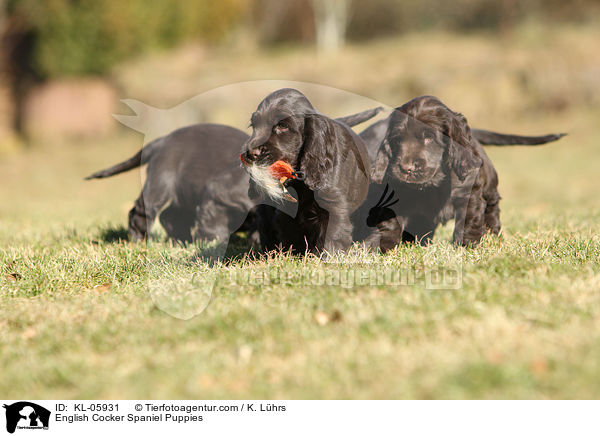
x,y
334,167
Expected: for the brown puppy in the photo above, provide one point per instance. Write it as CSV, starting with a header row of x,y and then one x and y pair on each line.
x,y
438,170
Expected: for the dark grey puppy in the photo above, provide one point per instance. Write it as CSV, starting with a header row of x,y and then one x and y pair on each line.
x,y
437,169
178,166
332,161
191,166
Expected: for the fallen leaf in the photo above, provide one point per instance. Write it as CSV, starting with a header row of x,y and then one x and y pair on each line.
x,y
323,318
105,287
336,316
29,333
13,277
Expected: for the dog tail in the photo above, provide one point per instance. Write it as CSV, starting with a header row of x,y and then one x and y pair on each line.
x,y
361,117
492,138
138,159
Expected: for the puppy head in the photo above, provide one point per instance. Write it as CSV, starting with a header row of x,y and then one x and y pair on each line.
x,y
424,142
277,128
286,127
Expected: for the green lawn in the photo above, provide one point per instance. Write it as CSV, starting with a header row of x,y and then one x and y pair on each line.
x,y
77,319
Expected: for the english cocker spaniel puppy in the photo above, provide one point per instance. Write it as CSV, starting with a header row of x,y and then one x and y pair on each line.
x,y
438,170
226,207
179,165
331,174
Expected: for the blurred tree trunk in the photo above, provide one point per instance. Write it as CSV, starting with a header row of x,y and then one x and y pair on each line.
x,y
17,74
278,21
6,101
507,17
331,19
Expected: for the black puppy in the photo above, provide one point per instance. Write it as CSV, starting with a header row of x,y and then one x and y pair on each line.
x,y
332,160
191,166
438,171
179,164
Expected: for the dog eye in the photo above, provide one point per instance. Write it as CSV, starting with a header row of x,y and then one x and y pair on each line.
x,y
281,128
427,137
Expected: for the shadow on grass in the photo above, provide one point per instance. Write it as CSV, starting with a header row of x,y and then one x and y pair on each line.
x,y
114,234
238,245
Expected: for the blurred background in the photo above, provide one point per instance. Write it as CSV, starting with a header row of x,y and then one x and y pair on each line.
x,y
520,66
66,63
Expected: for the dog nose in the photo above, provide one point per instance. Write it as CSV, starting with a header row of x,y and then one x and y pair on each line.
x,y
414,166
252,154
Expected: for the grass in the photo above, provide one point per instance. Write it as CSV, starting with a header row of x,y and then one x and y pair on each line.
x,y
77,318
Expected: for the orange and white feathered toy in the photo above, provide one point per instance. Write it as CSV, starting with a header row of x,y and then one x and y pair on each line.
x,y
283,171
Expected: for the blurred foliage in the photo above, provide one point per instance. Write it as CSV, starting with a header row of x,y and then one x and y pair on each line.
x,y
383,17
74,37
276,21
88,37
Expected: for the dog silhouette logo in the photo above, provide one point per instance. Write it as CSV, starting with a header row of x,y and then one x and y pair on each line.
x,y
26,415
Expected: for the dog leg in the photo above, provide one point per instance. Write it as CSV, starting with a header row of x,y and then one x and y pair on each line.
x,y
177,222
492,217
146,207
470,218
138,221
420,229
338,233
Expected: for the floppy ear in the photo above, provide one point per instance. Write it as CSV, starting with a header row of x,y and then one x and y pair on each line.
x,y
382,160
463,160
458,129
463,157
318,151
